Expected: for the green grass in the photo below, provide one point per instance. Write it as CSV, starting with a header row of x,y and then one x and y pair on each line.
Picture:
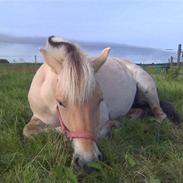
x,y
141,151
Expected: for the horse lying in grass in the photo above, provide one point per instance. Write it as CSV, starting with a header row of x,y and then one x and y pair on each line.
x,y
82,96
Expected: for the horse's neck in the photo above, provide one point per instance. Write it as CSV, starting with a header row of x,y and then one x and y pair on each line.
x,y
117,84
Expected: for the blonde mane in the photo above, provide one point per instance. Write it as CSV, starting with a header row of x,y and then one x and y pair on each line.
x,y
77,77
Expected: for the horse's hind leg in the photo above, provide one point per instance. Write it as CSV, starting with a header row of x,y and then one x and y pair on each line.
x,y
147,90
34,127
151,97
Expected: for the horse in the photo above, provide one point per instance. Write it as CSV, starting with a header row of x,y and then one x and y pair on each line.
x,y
82,96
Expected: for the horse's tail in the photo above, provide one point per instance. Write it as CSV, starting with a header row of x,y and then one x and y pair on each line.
x,y
171,112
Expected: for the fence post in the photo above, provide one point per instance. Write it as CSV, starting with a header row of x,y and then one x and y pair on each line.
x,y
35,59
171,61
179,54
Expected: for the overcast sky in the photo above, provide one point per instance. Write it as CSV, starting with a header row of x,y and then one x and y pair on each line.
x,y
152,23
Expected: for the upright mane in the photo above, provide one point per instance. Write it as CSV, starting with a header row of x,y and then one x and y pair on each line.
x,y
77,81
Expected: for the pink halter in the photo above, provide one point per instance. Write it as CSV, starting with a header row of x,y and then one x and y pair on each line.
x,y
72,135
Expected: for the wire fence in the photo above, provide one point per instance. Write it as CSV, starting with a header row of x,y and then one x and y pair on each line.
x,y
22,58
28,55
135,59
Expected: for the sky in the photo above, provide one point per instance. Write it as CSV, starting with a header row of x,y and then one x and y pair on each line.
x,y
148,23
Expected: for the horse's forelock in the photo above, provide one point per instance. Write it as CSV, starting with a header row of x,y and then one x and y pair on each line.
x,y
78,80
77,76
55,45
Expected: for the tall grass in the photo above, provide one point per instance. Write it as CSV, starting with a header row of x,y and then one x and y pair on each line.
x,y
140,151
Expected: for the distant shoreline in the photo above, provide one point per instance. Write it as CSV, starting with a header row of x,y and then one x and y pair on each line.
x,y
24,49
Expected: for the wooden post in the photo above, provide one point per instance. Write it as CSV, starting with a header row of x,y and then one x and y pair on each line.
x,y
171,61
178,54
35,59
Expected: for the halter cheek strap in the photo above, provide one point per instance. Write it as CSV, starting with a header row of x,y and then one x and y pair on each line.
x,y
73,134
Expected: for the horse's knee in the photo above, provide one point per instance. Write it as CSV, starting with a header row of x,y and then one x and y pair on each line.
x,y
34,127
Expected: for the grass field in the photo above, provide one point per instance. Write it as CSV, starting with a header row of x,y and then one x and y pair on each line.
x,y
141,151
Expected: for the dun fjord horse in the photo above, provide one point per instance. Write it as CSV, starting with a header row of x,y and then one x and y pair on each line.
x,y
83,95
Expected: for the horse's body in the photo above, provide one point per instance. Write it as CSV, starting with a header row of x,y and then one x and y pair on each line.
x,y
118,88
118,81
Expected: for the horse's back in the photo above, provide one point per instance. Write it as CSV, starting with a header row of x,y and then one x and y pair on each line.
x,y
143,79
147,91
118,87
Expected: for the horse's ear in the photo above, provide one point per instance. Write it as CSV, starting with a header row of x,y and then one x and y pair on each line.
x,y
100,60
54,64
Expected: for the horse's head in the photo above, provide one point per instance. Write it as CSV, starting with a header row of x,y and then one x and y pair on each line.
x,y
78,95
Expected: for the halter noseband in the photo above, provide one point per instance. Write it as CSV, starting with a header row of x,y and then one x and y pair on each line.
x,y
72,135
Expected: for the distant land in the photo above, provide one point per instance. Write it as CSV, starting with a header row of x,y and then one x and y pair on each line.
x,y
24,49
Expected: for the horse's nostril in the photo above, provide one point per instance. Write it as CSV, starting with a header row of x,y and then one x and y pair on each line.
x,y
77,163
100,157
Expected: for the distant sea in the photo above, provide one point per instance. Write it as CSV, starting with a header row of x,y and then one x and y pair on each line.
x,y
26,52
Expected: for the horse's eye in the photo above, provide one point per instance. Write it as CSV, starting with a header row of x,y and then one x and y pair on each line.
x,y
61,104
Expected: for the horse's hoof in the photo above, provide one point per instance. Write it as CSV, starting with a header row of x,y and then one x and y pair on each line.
x,y
161,117
159,114
29,132
136,113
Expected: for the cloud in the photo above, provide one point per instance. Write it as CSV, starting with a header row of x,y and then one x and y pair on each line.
x,y
5,38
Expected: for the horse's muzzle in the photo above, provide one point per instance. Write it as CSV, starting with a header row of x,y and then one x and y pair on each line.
x,y
80,165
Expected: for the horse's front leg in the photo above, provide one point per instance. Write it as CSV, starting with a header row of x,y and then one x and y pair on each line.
x,y
34,127
109,125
